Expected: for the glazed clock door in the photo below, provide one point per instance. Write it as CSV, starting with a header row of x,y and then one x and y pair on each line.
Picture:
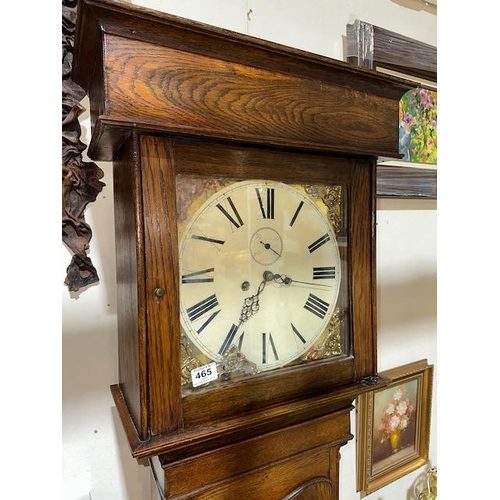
x,y
260,272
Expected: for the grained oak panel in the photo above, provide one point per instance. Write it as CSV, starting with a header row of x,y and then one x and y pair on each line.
x,y
363,269
167,89
198,471
224,160
161,265
275,481
267,389
316,489
130,285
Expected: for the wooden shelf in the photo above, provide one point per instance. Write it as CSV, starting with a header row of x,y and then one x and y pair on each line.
x,y
395,181
372,47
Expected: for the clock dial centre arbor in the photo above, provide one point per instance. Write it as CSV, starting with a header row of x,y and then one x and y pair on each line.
x,y
244,185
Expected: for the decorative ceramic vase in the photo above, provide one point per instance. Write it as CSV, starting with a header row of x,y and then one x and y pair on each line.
x,y
394,439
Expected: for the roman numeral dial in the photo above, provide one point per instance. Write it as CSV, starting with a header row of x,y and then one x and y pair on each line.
x,y
266,204
324,273
318,243
316,306
203,276
231,213
260,272
199,309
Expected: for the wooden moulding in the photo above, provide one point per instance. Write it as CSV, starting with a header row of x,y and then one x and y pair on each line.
x,y
186,443
130,272
311,439
164,73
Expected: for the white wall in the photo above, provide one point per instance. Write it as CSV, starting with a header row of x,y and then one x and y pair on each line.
x,y
96,459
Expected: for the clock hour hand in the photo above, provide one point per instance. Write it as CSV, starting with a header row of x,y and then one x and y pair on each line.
x,y
281,279
251,304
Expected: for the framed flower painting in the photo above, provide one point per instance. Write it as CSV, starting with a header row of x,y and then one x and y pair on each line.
x,y
418,126
393,426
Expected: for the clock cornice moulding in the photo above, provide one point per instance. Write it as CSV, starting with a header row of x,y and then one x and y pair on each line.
x,y
117,109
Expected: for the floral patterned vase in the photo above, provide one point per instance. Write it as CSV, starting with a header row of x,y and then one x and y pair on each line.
x,y
394,440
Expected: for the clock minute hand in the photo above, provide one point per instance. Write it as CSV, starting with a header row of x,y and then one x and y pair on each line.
x,y
285,280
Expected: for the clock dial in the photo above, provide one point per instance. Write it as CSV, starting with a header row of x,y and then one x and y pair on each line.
x,y
260,271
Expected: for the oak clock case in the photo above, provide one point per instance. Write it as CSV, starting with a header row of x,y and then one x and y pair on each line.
x,y
216,140
261,272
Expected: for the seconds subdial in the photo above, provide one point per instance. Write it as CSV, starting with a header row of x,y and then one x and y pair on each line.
x,y
266,246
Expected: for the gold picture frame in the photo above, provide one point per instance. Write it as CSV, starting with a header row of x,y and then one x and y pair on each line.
x,y
393,426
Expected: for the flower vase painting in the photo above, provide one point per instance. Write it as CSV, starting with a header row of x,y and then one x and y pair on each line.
x,y
418,126
393,426
394,420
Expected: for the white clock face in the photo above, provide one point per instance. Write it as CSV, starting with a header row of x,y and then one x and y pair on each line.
x,y
260,270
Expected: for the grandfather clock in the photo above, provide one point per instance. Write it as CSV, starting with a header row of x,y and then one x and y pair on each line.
x,y
244,176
